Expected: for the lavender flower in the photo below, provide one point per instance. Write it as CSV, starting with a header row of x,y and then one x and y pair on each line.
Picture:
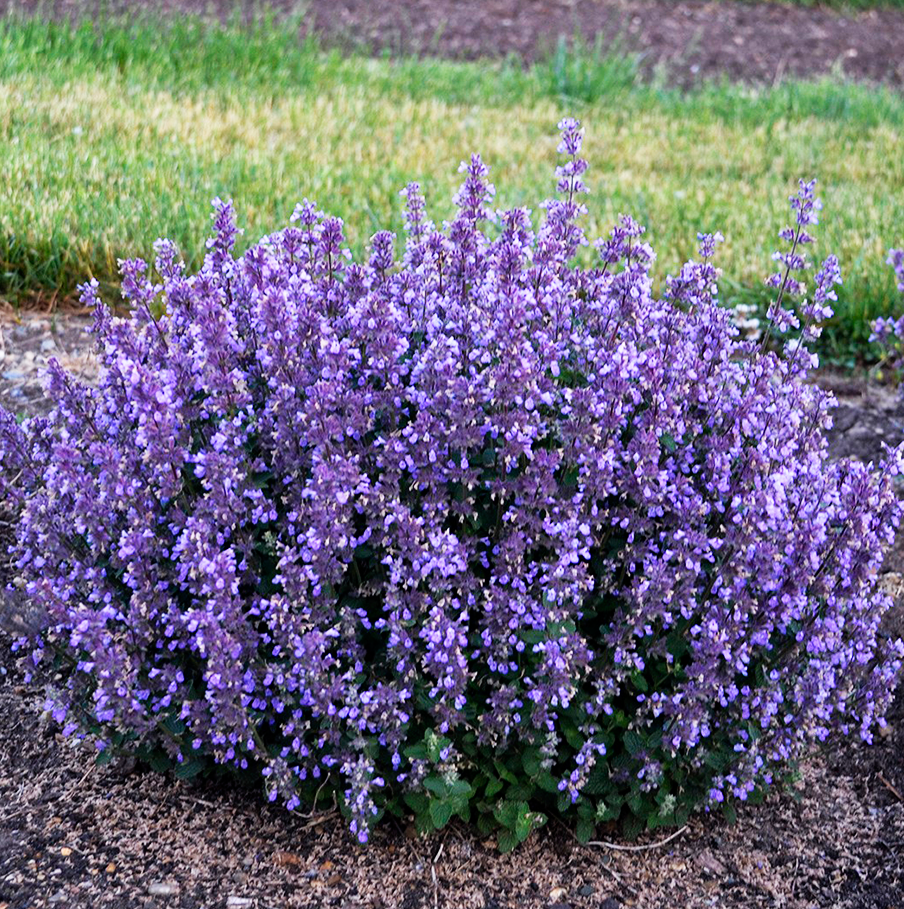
x,y
393,528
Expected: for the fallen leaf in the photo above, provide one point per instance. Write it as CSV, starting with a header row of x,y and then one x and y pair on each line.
x,y
65,851
110,868
286,858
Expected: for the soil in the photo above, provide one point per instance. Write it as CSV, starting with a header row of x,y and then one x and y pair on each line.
x,y
77,836
688,41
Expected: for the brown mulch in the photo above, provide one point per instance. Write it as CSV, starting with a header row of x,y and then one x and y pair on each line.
x,y
77,836
689,40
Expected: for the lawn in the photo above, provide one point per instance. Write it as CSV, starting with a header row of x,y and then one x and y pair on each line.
x,y
113,135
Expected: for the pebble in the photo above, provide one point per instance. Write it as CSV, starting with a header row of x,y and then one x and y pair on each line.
x,y
58,897
160,888
586,890
238,902
557,894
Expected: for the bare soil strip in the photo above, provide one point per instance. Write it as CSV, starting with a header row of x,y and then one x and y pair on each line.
x,y
688,41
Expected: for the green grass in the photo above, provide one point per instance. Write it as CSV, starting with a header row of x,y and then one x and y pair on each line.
x,y
112,137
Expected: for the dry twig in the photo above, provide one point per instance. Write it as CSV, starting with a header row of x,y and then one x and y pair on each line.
x,y
617,847
892,789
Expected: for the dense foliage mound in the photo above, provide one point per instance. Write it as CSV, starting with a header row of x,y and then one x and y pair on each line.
x,y
468,531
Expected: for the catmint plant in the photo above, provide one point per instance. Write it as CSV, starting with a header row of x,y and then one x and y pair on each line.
x,y
458,529
889,333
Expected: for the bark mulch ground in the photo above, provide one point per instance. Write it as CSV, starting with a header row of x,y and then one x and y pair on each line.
x,y
689,40
77,836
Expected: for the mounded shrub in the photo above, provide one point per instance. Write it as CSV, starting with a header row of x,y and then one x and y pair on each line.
x,y
462,531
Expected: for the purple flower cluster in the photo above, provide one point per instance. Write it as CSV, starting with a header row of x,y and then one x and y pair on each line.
x,y
889,333
318,512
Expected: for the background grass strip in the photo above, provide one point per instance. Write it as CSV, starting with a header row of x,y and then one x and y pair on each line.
x,y
112,136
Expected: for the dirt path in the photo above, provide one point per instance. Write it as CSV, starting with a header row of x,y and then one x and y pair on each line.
x,y
691,40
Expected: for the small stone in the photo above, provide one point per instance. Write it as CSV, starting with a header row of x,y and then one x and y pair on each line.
x,y
57,897
111,868
586,890
48,344
557,894
610,903
162,888
238,902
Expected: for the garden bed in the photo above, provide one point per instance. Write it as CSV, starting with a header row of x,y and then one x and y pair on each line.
x,y
76,835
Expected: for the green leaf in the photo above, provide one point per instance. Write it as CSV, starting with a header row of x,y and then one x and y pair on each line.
x,y
506,840
521,793
494,786
417,802
104,757
632,826
572,734
158,761
598,780
187,769
506,774
436,785
531,761
261,478
633,742
416,752
547,782
508,813
423,823
524,825
440,813
584,830
486,823
461,788
174,724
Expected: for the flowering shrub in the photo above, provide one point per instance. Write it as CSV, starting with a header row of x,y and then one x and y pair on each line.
x,y
460,531
889,333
